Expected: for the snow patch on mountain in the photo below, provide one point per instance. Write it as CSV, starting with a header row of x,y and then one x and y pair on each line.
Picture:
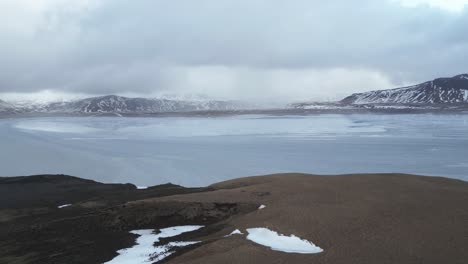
x,y
439,91
119,104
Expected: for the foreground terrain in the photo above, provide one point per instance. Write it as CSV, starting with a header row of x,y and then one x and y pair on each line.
x,y
367,218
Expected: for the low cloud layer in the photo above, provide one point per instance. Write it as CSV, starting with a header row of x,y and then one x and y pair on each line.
x,y
245,49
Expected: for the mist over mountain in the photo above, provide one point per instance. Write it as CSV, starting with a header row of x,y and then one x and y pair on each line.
x,y
120,104
439,92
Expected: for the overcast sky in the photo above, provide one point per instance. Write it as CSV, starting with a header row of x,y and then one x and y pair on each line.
x,y
238,49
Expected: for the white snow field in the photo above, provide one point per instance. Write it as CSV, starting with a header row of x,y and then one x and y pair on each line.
x,y
278,242
145,252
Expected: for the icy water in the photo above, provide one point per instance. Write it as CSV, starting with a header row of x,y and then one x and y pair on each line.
x,y
203,150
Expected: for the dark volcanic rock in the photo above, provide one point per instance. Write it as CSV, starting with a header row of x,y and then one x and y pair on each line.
x,y
439,91
52,190
34,230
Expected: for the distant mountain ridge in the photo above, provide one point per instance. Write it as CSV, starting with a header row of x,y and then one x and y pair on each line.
x,y
120,104
6,107
436,94
452,90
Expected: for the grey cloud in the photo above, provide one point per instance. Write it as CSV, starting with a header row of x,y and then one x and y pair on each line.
x,y
123,46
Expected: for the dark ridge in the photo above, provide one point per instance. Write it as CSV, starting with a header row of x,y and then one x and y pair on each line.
x,y
54,190
45,178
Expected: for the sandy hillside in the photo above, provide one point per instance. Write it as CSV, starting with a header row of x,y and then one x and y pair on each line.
x,y
354,218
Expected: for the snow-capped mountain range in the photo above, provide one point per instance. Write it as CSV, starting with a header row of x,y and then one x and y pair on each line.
x,y
439,91
120,104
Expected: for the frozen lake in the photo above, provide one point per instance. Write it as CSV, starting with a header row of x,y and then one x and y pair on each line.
x,y
196,151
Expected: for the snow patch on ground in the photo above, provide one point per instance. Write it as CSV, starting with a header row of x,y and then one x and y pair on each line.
x,y
145,252
278,242
235,232
63,206
261,207
164,251
142,187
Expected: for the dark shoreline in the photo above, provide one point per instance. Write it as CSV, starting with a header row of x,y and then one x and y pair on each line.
x,y
401,211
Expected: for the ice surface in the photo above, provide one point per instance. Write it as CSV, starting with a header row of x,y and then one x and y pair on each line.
x,y
202,151
181,127
55,127
145,252
278,242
